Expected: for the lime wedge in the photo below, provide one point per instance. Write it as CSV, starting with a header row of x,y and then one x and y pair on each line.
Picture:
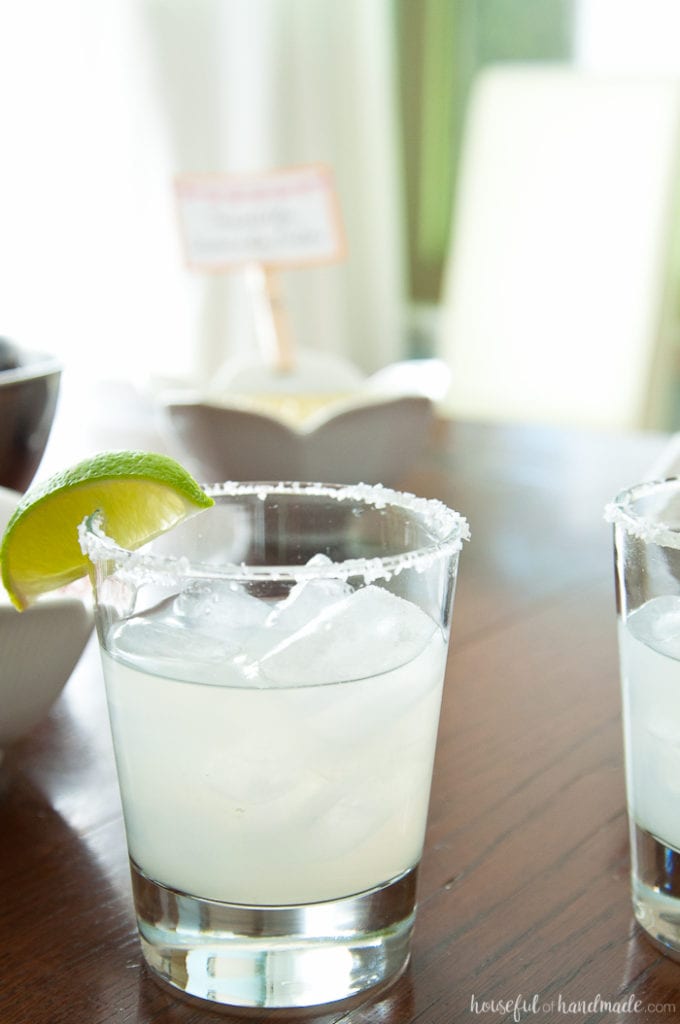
x,y
140,494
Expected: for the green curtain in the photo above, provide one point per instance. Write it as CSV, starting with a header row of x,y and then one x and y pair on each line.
x,y
441,44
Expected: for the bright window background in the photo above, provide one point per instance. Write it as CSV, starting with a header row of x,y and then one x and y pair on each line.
x,y
628,36
89,260
101,103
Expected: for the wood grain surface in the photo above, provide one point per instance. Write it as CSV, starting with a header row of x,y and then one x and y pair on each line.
x,y
524,909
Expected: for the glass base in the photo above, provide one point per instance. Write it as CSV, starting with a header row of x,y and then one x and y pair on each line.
x,y
656,891
291,956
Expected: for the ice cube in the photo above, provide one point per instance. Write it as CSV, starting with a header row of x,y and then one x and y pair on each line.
x,y
306,599
366,633
167,648
216,607
657,624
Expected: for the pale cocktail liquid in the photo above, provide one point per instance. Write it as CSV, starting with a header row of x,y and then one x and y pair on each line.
x,y
650,667
273,760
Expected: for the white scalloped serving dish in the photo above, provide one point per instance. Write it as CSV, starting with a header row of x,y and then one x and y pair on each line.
x,y
39,649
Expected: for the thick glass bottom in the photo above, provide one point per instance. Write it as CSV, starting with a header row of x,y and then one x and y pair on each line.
x,y
291,956
656,890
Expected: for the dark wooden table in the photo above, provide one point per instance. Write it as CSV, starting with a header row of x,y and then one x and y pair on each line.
x,y
523,897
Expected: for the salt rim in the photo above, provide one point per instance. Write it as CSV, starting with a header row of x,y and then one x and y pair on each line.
x,y
442,520
620,513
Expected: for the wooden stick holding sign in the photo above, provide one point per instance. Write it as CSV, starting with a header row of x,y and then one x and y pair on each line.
x,y
262,223
272,325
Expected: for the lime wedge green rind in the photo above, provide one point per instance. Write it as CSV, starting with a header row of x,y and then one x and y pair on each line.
x,y
141,495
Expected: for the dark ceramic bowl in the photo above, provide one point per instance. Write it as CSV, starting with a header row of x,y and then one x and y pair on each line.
x,y
28,398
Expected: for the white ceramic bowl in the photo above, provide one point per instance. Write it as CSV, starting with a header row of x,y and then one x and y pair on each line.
x,y
39,649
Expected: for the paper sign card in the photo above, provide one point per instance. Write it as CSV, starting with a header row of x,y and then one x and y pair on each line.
x,y
287,218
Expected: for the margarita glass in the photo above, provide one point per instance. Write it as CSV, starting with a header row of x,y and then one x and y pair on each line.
x,y
647,545
274,668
